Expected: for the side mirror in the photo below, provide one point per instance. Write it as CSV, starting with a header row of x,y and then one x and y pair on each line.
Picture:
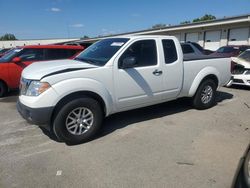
x,y
16,60
128,62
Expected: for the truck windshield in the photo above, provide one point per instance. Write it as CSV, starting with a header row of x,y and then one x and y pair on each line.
x,y
11,54
101,52
245,56
198,46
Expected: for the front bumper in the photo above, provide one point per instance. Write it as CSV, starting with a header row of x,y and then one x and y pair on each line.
x,y
38,116
241,79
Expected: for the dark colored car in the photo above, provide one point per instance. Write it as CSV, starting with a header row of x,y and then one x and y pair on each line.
x,y
4,51
242,175
231,51
13,62
201,49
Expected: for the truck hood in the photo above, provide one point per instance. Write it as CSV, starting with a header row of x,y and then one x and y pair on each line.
x,y
38,70
237,60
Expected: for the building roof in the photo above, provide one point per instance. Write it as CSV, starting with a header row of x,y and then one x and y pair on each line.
x,y
221,21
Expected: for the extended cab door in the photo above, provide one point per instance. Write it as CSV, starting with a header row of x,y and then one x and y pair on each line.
x,y
142,83
172,68
27,56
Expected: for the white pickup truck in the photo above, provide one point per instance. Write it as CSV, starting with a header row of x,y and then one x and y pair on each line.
x,y
72,97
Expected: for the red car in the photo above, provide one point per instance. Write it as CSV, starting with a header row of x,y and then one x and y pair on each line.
x,y
230,51
13,62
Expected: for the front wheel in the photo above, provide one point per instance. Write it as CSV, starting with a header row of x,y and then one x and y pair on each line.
x,y
78,121
205,95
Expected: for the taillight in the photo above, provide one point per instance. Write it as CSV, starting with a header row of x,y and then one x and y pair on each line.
x,y
232,66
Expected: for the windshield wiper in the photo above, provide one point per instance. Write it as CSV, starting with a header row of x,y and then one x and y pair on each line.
x,y
90,61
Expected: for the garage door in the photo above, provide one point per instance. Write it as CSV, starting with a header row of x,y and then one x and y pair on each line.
x,y
238,36
192,37
212,40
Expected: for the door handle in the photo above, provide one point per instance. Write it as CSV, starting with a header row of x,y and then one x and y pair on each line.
x,y
157,72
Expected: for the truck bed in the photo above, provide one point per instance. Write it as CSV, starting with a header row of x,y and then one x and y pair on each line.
x,y
194,67
192,57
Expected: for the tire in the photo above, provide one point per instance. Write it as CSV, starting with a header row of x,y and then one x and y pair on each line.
x,y
204,97
78,120
3,89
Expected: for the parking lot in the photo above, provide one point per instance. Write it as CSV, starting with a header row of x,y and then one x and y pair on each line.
x,y
167,145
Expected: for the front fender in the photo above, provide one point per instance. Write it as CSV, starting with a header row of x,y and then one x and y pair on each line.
x,y
69,86
200,76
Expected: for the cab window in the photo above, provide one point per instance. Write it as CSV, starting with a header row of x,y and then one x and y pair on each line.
x,y
29,54
170,52
52,54
144,51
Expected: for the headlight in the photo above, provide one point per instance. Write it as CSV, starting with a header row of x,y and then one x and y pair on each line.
x,y
35,88
247,72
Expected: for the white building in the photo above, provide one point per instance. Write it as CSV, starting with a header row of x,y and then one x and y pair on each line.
x,y
209,34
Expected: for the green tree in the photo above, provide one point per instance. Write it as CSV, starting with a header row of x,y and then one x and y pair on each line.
x,y
185,22
85,37
206,17
157,26
8,36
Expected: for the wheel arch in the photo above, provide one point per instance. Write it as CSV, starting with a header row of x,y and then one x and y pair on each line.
x,y
209,73
79,94
6,85
5,88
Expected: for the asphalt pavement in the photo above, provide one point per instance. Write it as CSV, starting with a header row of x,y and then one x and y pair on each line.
x,y
167,145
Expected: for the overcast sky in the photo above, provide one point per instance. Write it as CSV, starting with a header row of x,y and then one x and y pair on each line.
x,y
37,19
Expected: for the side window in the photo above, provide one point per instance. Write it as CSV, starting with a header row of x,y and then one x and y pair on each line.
x,y
71,53
187,49
144,51
170,52
52,54
34,54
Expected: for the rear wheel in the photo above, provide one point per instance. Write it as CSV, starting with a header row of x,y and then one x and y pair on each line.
x,y
205,95
78,121
3,89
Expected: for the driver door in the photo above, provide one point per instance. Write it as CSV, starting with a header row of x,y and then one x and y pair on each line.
x,y
141,84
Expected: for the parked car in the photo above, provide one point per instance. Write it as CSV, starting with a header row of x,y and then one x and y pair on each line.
x,y
4,51
12,63
190,49
193,50
201,49
230,51
114,75
241,69
242,175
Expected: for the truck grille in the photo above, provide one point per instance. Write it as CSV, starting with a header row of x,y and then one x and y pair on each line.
x,y
238,81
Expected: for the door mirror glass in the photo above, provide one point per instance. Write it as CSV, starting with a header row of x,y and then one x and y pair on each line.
x,y
128,62
16,60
